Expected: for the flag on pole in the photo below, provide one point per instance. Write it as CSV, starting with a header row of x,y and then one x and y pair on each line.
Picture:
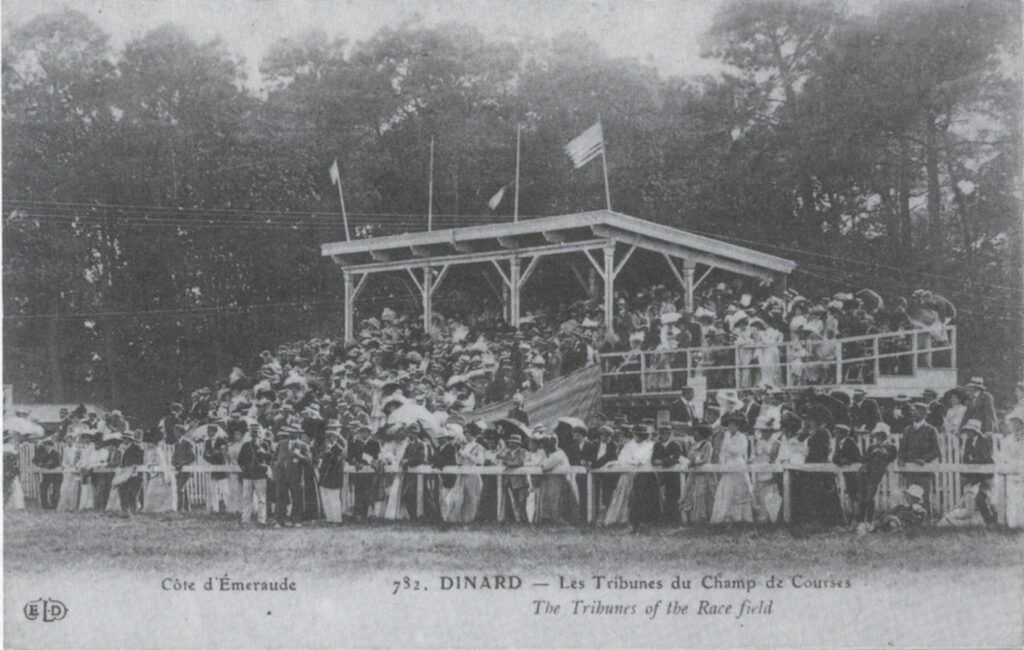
x,y
335,174
586,146
496,199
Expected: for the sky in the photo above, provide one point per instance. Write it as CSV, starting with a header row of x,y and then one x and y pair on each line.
x,y
664,32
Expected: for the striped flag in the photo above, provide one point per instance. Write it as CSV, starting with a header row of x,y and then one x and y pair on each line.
x,y
496,199
576,395
586,146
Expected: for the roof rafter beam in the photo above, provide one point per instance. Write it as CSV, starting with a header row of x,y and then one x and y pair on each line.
x,y
528,271
476,258
383,256
697,256
625,258
597,267
703,276
416,281
466,246
504,276
437,279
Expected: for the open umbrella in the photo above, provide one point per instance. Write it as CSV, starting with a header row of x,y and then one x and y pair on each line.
x,y
413,413
872,300
573,422
24,427
514,424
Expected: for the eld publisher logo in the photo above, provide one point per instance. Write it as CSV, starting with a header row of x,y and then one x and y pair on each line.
x,y
45,609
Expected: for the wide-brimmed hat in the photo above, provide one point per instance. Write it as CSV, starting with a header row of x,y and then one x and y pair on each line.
x,y
973,424
915,491
977,382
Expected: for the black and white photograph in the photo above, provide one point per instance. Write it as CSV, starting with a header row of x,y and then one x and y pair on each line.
x,y
512,324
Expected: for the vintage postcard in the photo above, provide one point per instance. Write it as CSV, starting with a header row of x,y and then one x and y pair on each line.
x,y
533,324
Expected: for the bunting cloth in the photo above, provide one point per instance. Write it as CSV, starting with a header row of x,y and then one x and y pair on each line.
x,y
576,395
586,146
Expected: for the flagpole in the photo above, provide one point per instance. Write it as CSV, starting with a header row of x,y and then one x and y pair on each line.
x,y
515,209
604,166
430,189
344,215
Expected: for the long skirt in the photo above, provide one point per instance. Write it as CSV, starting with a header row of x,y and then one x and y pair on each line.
x,y
460,502
160,494
815,499
734,500
114,500
234,500
1014,500
86,498
698,503
558,500
15,497
70,488
618,508
393,508
645,500
330,499
767,501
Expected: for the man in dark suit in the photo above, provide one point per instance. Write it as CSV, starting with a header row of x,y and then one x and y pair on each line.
x,y
184,454
980,405
978,451
131,456
681,410
254,460
607,451
666,454
902,414
847,452
920,446
47,457
291,455
362,452
864,412
875,463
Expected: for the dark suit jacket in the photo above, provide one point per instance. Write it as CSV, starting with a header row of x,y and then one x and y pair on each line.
x,y
983,408
132,456
847,452
611,452
865,415
920,444
978,451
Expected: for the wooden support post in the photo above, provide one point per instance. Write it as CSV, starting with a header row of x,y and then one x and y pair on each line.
x,y
590,497
419,495
428,298
842,494
500,509
688,270
350,334
787,506
609,285
513,280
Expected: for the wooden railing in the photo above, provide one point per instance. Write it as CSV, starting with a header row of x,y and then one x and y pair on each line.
x,y
854,360
1002,476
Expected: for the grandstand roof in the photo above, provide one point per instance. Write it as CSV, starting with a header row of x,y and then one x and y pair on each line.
x,y
547,235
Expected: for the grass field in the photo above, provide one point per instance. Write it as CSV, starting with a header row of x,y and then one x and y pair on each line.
x,y
99,541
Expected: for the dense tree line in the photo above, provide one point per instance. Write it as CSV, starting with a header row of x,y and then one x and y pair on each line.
x,y
162,218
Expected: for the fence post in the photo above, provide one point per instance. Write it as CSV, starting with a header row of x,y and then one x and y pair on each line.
x,y
913,354
419,495
1004,510
786,504
842,493
875,349
500,509
736,365
643,372
590,496
952,348
839,362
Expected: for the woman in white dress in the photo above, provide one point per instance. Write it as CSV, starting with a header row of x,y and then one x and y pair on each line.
x,y
767,500
470,455
391,453
955,413
746,347
618,508
768,353
160,494
734,499
14,497
1010,451
71,463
